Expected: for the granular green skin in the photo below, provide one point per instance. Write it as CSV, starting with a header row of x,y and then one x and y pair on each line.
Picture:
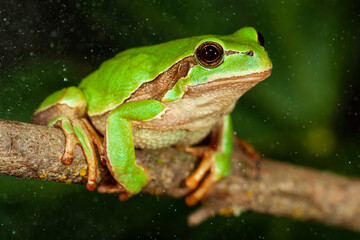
x,y
117,78
106,89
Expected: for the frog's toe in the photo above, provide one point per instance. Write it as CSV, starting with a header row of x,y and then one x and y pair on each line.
x,y
91,185
70,138
198,151
123,193
111,188
96,140
201,192
248,149
253,162
86,140
193,181
68,156
124,196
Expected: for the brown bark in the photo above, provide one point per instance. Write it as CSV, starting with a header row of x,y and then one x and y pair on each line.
x,y
32,151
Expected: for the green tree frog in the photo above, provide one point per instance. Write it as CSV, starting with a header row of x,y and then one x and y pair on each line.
x,y
174,93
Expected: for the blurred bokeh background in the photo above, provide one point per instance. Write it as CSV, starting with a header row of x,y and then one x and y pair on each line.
x,y
306,113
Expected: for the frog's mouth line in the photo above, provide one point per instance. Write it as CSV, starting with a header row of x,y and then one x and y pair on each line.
x,y
249,78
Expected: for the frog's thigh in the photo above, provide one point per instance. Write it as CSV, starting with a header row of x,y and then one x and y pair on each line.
x,y
119,143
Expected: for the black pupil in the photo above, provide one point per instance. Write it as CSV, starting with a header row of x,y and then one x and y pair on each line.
x,y
210,53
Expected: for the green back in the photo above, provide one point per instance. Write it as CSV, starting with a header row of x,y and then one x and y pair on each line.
x,y
117,78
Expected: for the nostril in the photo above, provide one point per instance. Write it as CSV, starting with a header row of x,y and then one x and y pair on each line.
x,y
250,53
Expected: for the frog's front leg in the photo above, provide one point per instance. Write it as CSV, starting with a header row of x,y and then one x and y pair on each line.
x,y
215,162
119,147
79,130
66,109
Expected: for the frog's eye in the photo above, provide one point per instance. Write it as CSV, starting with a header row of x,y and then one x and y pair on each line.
x,y
261,39
209,54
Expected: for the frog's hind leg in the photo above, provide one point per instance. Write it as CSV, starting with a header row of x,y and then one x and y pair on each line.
x,y
215,163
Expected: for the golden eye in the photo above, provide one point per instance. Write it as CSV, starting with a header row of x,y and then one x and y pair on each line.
x,y
209,54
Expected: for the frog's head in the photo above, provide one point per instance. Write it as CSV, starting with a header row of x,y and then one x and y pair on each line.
x,y
224,65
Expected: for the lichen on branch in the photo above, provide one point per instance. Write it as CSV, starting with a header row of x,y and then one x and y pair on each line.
x,y
33,151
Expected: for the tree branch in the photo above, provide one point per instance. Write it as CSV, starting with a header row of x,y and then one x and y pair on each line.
x,y
32,151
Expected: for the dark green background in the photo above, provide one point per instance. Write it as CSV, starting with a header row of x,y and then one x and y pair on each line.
x,y
306,113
